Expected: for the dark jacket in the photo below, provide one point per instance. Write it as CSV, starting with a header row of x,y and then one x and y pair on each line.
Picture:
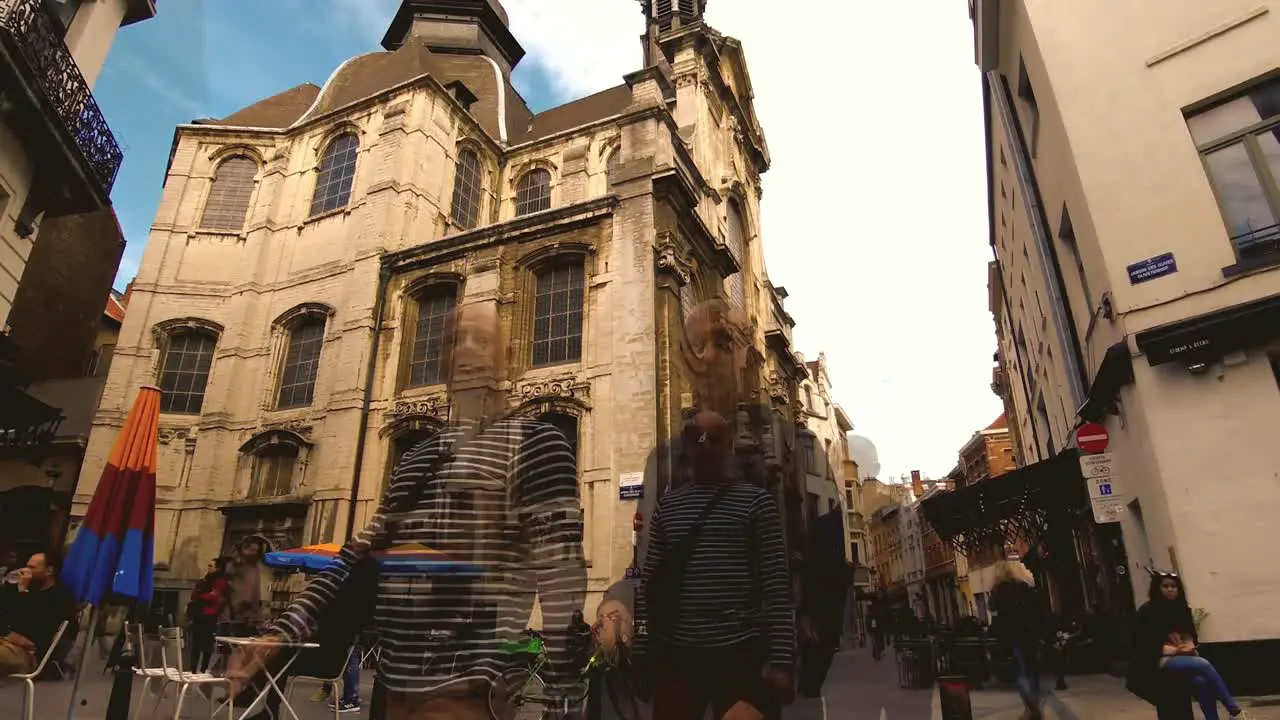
x,y
826,576
1021,619
1151,627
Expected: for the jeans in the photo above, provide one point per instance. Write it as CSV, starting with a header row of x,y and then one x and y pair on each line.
x,y
1206,683
1027,677
350,679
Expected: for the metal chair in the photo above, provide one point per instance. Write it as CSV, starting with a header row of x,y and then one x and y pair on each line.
x,y
336,681
29,693
171,647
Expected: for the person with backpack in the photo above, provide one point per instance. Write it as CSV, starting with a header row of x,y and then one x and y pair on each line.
x,y
714,620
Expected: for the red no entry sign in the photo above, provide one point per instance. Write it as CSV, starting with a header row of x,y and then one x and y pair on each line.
x,y
1093,438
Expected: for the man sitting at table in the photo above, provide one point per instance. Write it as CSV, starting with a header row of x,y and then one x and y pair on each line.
x,y
30,612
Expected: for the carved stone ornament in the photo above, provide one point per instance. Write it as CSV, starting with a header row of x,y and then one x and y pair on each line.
x,y
169,434
669,261
430,407
686,79
302,427
568,386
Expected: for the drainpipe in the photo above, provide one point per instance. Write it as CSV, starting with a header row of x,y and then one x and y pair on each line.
x,y
379,303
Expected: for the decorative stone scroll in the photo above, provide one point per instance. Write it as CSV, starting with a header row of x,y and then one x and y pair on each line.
x,y
569,386
169,434
302,427
434,406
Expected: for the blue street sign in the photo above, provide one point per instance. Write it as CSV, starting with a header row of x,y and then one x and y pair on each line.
x,y
1104,488
1152,268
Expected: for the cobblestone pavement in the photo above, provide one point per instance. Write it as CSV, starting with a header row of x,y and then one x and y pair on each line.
x,y
858,688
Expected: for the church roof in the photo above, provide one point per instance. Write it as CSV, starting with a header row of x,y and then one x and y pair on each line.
x,y
591,108
278,111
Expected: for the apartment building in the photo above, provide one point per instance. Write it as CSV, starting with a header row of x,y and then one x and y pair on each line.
x,y
1134,193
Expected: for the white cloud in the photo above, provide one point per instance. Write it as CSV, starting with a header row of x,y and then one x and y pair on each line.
x,y
874,211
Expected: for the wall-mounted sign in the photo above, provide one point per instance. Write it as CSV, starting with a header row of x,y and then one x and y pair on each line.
x,y
1105,494
631,486
1152,268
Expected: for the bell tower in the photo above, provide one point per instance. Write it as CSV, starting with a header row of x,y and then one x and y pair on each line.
x,y
674,14
459,27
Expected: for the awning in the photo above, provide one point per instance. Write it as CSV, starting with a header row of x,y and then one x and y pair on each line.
x,y
1017,504
1115,372
1206,338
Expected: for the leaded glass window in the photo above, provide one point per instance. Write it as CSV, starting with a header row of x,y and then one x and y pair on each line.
x,y
337,174
301,364
533,192
557,315
228,201
428,357
184,374
466,189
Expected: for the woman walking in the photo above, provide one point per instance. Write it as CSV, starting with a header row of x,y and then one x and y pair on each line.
x,y
1020,623
208,603
1165,648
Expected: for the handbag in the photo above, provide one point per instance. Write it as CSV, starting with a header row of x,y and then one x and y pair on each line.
x,y
662,586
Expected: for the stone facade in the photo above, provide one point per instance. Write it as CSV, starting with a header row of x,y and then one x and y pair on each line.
x,y
651,198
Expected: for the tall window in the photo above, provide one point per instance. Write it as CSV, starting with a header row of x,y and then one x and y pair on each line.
x,y
337,173
611,165
301,363
734,238
273,471
466,189
1239,142
533,192
228,201
557,315
427,361
1031,108
184,372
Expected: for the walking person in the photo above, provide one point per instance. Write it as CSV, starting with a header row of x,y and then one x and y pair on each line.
x,y
876,626
1165,649
1020,624
714,620
822,601
496,494
207,606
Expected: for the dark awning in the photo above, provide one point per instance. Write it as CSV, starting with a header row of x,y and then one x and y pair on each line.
x,y
1016,504
1115,372
1206,338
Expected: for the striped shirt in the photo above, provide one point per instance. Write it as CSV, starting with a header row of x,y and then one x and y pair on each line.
x,y
501,499
736,585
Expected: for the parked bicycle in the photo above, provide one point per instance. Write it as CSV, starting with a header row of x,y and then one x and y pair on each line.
x,y
605,675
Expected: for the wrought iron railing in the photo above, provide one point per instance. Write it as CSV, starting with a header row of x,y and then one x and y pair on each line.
x,y
37,37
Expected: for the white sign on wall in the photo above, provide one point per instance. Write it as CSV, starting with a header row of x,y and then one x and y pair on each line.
x,y
631,486
1106,492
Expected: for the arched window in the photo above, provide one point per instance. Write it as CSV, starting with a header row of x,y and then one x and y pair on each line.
x,y
557,314
228,201
735,240
184,371
301,363
337,173
428,359
273,471
566,424
466,189
611,165
533,192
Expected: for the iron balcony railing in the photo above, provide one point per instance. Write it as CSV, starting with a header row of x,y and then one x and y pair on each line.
x,y
37,38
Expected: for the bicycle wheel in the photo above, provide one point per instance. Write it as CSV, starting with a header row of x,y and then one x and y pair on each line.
x,y
523,691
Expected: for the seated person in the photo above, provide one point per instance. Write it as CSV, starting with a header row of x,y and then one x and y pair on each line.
x,y
30,612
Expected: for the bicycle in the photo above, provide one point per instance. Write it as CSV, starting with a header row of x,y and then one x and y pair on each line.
x,y
532,699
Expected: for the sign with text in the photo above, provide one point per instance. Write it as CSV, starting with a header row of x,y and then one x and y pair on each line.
x,y
1152,268
1105,492
631,486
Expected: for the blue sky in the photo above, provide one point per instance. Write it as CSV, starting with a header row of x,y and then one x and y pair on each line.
x,y
209,58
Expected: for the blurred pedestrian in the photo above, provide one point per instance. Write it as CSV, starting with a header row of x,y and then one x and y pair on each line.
x,y
1021,622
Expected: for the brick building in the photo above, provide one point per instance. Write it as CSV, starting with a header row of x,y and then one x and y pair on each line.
x,y
306,246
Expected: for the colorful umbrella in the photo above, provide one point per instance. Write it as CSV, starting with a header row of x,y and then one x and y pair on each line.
x,y
409,558
113,550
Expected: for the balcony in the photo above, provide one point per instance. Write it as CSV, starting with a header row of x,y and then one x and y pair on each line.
x,y
48,104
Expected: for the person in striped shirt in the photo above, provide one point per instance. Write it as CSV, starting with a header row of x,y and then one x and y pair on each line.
x,y
498,495
727,639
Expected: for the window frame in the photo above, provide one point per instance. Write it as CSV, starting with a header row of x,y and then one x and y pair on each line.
x,y
305,321
222,162
546,269
525,202
1247,137
269,452
416,298
465,149
168,396
320,205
